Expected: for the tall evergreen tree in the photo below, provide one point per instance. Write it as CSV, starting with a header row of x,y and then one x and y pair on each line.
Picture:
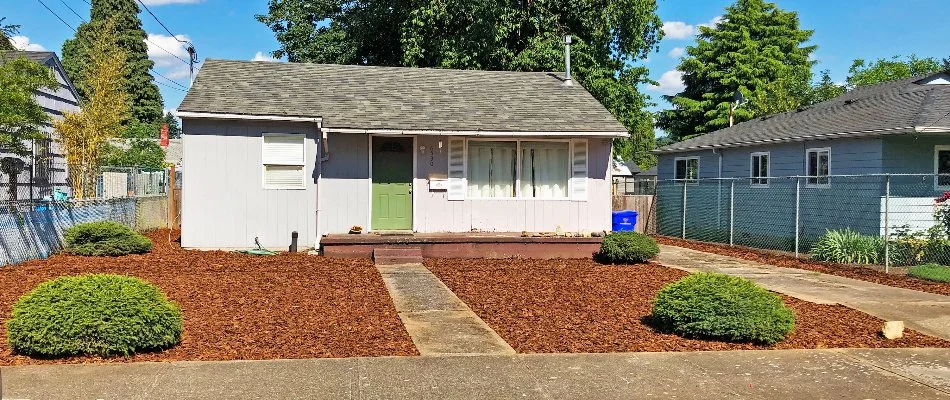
x,y
755,48
6,32
609,37
144,97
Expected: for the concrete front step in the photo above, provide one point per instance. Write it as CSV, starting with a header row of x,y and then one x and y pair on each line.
x,y
397,255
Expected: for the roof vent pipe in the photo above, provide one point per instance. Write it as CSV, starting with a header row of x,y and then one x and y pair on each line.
x,y
567,61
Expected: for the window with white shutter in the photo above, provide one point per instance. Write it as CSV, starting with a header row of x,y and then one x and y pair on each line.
x,y
457,178
285,160
579,170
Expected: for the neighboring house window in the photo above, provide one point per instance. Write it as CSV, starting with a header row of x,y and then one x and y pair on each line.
x,y
519,169
942,167
816,166
759,170
284,159
545,169
687,169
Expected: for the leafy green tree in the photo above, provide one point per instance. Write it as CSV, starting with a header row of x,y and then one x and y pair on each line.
x,y
21,118
174,129
863,73
144,97
825,89
6,32
138,152
515,35
757,47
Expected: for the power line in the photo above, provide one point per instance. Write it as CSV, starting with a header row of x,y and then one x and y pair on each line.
x,y
71,9
163,24
169,79
190,48
166,50
169,86
56,15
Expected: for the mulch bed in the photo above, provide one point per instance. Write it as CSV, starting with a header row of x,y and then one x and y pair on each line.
x,y
240,307
845,270
578,306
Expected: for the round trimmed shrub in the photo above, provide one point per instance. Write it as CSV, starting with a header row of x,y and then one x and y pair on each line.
x,y
627,248
105,238
722,307
96,314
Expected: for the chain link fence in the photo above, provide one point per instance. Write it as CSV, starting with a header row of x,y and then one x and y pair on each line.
x,y
32,226
793,213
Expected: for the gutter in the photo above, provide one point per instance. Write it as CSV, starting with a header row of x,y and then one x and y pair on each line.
x,y
478,133
248,117
821,136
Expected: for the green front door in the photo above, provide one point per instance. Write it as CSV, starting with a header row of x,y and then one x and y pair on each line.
x,y
392,183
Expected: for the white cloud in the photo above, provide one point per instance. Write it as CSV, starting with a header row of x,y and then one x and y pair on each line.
x,y
712,23
23,43
168,54
677,52
260,56
677,30
164,2
671,82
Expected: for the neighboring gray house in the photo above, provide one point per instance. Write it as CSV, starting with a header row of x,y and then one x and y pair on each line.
x,y
273,148
45,170
898,127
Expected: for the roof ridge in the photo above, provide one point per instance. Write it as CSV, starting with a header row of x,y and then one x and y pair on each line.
x,y
380,66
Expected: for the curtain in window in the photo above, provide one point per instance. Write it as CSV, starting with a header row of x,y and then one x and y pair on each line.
x,y
545,169
491,168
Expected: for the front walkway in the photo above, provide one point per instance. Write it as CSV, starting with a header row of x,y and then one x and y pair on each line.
x,y
776,374
925,312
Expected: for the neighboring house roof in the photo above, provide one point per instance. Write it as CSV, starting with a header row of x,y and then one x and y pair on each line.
x,y
41,57
173,153
917,104
393,98
630,168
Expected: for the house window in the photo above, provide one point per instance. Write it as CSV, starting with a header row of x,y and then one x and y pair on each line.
x,y
687,169
491,168
759,170
816,166
545,169
942,167
284,161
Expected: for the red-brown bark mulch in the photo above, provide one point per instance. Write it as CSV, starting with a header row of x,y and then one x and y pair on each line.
x,y
240,307
578,306
845,270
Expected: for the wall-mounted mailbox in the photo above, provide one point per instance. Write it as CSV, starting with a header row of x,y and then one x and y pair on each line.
x,y
438,184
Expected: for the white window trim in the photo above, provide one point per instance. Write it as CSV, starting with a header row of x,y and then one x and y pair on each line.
x,y
818,150
570,184
303,180
768,169
687,180
937,149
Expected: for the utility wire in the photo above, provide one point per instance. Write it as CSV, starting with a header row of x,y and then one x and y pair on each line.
x,y
56,15
163,25
71,9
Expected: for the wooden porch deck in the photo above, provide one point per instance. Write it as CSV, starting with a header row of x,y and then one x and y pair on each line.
x,y
462,245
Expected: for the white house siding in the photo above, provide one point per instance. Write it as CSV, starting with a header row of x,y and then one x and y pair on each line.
x,y
224,204
345,184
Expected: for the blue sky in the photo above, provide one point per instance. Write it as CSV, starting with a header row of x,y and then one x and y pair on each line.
x,y
844,30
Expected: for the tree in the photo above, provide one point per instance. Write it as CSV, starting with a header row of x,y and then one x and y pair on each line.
x,y
756,48
143,94
142,153
825,89
21,118
84,134
174,129
513,35
6,32
863,73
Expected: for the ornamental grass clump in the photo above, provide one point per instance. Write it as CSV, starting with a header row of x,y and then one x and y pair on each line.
x,y
105,238
930,272
849,247
95,314
627,248
722,307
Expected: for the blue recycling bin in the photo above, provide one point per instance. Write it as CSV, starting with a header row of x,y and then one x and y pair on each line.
x,y
624,221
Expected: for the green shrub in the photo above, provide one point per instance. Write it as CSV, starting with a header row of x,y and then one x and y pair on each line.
x,y
105,238
849,247
936,251
930,272
716,306
93,314
627,248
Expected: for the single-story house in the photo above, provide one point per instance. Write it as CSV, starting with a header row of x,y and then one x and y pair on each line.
x,y
630,179
45,169
884,146
276,148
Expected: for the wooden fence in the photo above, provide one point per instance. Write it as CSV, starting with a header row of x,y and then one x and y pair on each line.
x,y
644,205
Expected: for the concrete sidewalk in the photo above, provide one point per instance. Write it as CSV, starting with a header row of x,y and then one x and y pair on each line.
x,y
778,374
925,312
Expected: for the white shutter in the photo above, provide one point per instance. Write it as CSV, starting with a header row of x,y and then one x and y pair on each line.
x,y
284,176
284,149
457,183
579,170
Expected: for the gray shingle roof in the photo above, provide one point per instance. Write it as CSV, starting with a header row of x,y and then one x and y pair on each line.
x,y
361,97
35,56
892,107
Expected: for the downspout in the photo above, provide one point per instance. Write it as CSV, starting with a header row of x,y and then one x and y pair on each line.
x,y
323,155
719,196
